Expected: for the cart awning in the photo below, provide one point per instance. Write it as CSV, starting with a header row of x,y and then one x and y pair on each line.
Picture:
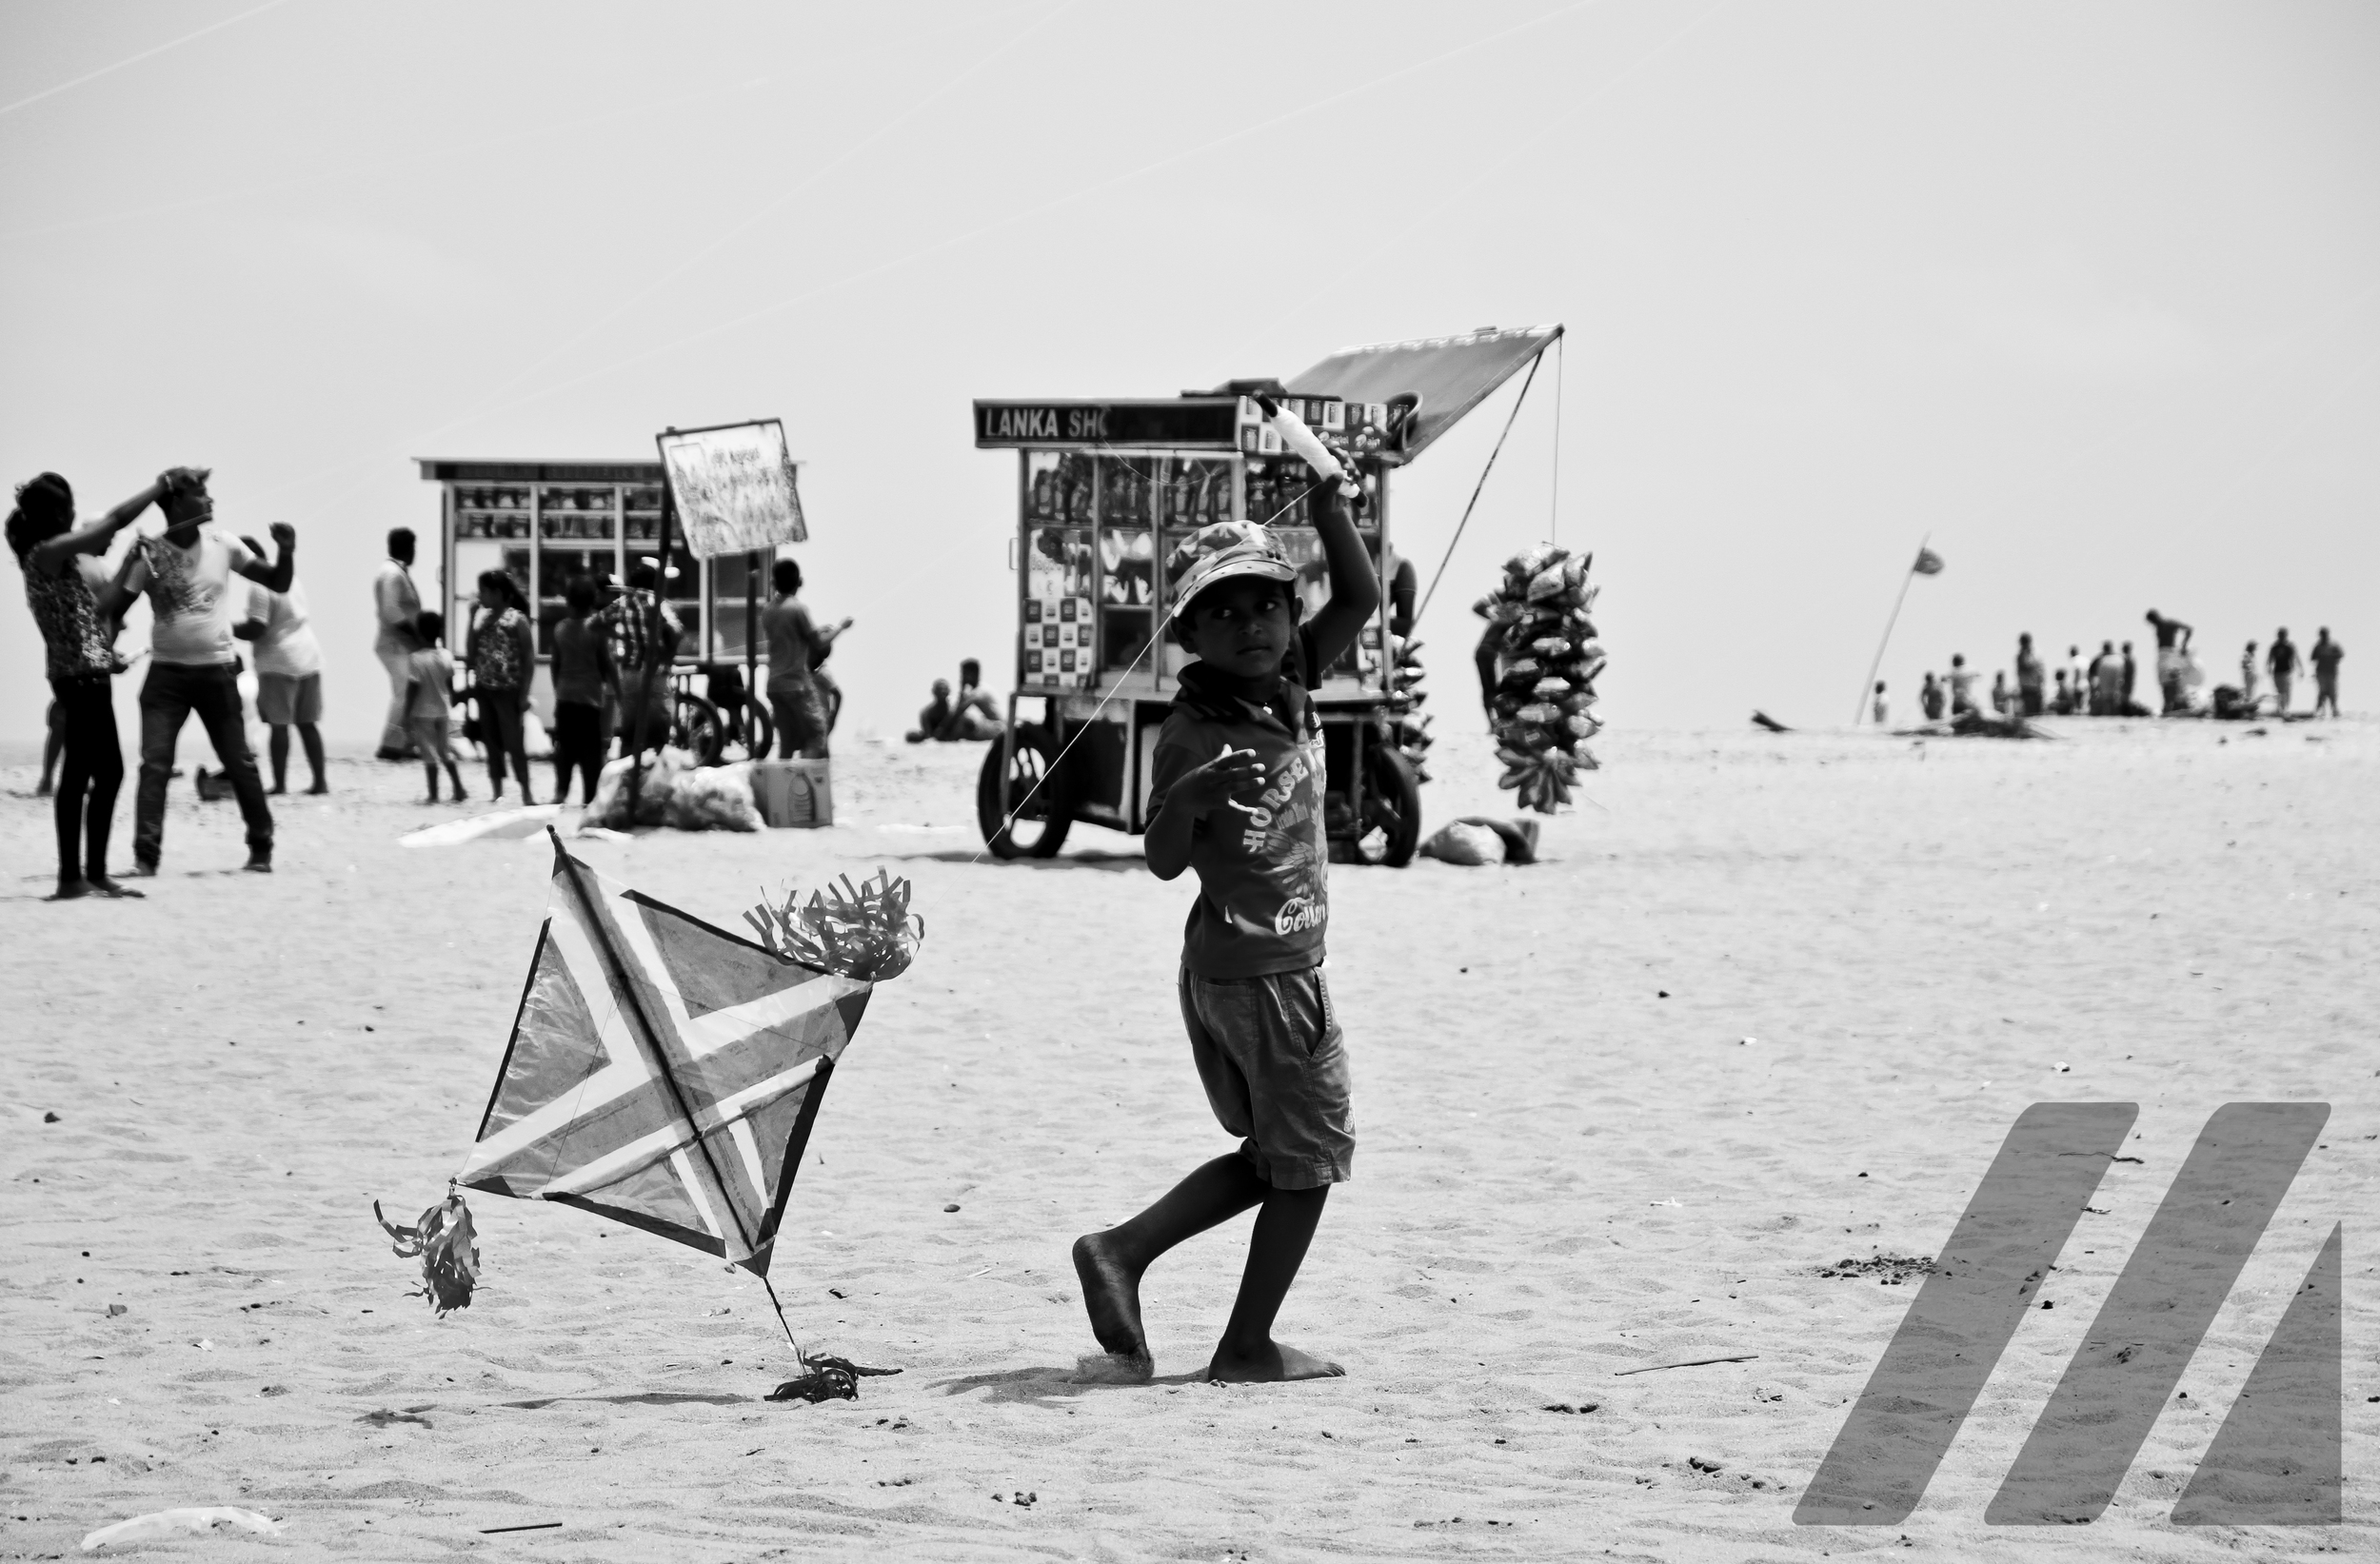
x,y
1448,375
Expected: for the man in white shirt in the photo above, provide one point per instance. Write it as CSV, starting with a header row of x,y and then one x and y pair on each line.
x,y
187,574
396,604
288,676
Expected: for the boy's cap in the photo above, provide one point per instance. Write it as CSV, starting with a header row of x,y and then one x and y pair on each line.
x,y
1222,550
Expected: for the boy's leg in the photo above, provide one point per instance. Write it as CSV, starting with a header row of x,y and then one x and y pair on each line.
x,y
1275,1249
1110,1264
426,745
277,747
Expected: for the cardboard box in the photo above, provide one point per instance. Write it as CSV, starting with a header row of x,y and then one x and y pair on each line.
x,y
794,793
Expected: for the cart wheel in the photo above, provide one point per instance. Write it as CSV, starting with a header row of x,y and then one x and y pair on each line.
x,y
1037,797
695,727
758,730
1391,828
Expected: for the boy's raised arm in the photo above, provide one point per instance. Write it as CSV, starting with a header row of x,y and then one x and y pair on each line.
x,y
1355,591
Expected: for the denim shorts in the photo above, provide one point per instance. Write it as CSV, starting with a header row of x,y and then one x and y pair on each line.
x,y
1275,1067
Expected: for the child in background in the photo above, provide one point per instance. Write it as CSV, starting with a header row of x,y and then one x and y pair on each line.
x,y
1236,795
429,704
582,675
1880,710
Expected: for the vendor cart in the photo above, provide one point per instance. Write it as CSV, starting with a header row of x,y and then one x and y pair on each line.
x,y
1107,490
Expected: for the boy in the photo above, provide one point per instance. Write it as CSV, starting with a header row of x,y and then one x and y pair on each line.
x,y
582,676
429,703
1237,796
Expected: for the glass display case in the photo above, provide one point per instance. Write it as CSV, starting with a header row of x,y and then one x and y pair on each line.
x,y
546,521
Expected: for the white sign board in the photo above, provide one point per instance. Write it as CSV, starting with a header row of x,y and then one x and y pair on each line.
x,y
734,488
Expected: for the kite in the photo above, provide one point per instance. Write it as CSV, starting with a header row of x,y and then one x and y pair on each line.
x,y
665,1073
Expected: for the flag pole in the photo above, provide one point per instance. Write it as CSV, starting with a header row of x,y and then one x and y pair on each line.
x,y
1868,683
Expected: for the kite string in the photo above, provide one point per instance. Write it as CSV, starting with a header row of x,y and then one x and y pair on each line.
x,y
800,1359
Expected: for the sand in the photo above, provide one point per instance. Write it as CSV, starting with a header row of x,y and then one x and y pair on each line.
x,y
1771,1004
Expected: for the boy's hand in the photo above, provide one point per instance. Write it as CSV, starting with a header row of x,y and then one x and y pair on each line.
x,y
284,536
1206,787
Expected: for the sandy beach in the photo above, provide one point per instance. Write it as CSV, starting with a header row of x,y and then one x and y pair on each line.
x,y
1772,1001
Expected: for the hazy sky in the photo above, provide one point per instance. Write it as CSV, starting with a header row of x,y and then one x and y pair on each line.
x,y
2089,294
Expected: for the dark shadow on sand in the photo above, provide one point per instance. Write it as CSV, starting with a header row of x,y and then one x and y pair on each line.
x,y
1050,1387
1095,858
642,1399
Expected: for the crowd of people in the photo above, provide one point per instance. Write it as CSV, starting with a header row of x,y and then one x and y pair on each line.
x,y
2109,684
210,593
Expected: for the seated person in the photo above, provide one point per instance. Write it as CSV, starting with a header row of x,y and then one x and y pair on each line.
x,y
934,717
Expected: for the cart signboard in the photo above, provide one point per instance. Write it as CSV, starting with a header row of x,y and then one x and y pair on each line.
x,y
733,487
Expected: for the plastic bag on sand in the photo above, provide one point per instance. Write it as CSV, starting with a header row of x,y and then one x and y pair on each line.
x,y
166,1523
1470,845
611,790
713,798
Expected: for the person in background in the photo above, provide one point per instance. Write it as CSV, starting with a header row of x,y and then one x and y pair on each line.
x,y
583,676
429,703
2107,678
2003,699
2063,701
2282,662
641,662
288,676
796,646
2029,676
1930,698
1962,686
2173,653
192,665
501,650
975,714
1879,709
932,717
395,606
2247,672
2324,657
76,602
2074,686
2132,683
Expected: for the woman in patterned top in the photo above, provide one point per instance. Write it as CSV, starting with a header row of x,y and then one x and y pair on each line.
x,y
503,658
77,603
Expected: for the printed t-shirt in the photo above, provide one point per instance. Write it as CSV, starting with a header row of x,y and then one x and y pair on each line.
x,y
1262,906
287,648
76,639
496,649
793,642
190,592
431,671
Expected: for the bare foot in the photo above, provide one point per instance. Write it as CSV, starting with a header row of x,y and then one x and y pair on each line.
x,y
70,890
115,888
142,869
320,787
1274,1364
1111,1295
257,863
276,790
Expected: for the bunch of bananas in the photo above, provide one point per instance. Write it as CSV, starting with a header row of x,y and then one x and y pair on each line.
x,y
1541,629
